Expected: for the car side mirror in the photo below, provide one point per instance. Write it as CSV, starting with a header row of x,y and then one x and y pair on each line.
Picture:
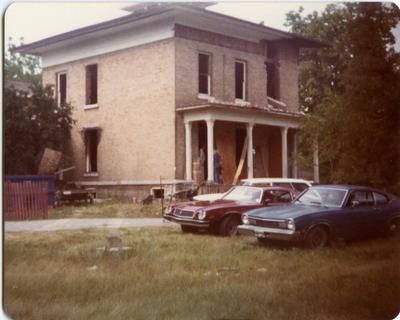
x,y
355,203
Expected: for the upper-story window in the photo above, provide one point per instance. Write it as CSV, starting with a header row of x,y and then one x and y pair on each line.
x,y
61,88
91,84
272,73
204,74
240,80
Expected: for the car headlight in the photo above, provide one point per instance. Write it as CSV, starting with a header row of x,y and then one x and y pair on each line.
x,y
201,214
168,210
290,224
245,219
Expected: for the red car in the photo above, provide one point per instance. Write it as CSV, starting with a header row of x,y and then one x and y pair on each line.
x,y
222,216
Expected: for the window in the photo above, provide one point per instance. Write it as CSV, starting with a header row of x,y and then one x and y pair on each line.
x,y
272,67
91,84
299,186
364,198
277,196
61,88
91,142
240,80
380,198
204,74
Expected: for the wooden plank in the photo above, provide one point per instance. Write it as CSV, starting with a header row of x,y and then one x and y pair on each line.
x,y
241,162
50,161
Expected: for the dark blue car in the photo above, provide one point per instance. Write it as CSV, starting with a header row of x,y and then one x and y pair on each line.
x,y
326,212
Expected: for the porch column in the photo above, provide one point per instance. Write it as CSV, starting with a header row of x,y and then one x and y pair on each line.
x,y
210,149
188,149
284,131
250,150
295,170
316,163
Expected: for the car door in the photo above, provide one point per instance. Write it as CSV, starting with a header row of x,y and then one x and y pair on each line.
x,y
382,209
361,215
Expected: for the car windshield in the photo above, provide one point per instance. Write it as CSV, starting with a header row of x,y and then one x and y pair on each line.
x,y
323,196
243,193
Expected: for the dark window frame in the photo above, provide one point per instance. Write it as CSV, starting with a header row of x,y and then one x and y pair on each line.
x,y
92,139
92,81
204,76
241,80
61,85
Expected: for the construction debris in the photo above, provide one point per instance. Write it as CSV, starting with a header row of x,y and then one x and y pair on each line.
x,y
50,162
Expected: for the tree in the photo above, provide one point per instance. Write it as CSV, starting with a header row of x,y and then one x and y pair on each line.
x,y
32,121
22,67
351,93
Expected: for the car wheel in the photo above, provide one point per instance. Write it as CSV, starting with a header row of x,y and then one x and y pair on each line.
x,y
188,229
263,241
394,227
317,238
228,226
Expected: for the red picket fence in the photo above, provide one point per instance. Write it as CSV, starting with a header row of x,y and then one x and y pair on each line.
x,y
25,200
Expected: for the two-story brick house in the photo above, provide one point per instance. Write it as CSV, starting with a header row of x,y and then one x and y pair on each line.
x,y
153,87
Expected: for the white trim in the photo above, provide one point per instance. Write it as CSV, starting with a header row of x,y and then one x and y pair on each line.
x,y
210,149
256,117
105,41
242,103
250,168
90,106
188,149
91,174
284,146
204,96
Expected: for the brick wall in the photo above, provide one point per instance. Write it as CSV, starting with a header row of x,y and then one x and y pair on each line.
x,y
287,55
223,81
136,90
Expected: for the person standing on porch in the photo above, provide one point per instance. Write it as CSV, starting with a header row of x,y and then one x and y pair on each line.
x,y
217,167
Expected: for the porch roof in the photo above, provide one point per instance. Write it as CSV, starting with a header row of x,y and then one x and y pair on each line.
x,y
224,111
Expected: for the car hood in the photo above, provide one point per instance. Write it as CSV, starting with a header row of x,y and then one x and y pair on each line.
x,y
217,204
208,197
293,210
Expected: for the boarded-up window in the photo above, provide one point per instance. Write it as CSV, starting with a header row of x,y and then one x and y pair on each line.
x,y
204,74
91,143
91,84
61,88
240,80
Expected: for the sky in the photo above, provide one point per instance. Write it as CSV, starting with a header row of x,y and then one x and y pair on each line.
x,y
38,20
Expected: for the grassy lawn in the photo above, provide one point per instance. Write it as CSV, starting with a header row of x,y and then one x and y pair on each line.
x,y
170,275
106,209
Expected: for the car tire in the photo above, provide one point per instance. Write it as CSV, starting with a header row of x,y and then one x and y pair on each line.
x,y
228,226
317,238
263,241
394,227
188,229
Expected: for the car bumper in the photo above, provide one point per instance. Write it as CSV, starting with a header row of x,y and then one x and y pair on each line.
x,y
188,222
270,233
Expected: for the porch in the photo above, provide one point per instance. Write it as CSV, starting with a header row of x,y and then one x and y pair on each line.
x,y
266,137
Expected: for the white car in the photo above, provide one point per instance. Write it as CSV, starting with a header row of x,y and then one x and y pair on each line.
x,y
298,185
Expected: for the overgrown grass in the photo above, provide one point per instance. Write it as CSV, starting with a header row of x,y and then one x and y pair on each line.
x,y
106,209
170,275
